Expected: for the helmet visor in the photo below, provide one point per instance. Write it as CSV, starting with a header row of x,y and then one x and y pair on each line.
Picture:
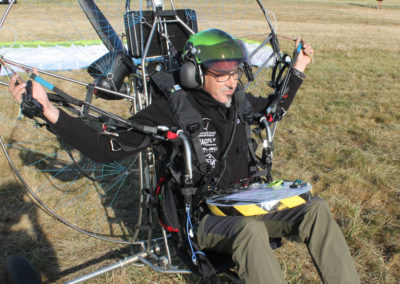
x,y
223,57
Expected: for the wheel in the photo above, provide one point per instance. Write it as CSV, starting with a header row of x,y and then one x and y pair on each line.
x,y
101,200
21,271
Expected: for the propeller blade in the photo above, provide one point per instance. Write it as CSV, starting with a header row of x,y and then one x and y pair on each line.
x,y
101,25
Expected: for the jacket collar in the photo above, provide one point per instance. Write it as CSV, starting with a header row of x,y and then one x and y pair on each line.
x,y
202,97
204,100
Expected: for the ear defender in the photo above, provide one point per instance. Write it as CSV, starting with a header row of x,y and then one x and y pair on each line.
x,y
191,75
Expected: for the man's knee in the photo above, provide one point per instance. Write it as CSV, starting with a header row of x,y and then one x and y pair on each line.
x,y
318,205
251,228
317,218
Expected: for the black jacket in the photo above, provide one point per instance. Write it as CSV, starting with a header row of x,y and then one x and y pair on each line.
x,y
217,128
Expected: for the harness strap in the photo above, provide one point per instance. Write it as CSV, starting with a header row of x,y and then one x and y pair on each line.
x,y
89,97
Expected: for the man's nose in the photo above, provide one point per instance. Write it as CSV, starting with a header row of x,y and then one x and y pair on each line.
x,y
231,81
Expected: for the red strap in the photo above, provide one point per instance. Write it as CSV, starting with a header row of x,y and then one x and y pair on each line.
x,y
160,182
168,228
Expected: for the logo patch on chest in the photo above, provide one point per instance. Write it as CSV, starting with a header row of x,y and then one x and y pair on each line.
x,y
208,141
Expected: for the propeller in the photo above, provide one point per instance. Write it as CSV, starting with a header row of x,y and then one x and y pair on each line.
x,y
101,25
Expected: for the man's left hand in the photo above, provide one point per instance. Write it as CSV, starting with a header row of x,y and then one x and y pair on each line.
x,y
305,56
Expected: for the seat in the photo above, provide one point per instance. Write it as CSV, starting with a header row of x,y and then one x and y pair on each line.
x,y
158,33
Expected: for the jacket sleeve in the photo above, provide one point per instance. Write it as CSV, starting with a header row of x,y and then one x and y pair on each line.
x,y
101,147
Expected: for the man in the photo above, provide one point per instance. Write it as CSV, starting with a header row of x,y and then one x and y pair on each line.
x,y
215,61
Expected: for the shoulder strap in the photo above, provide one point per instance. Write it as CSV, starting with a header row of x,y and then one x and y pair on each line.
x,y
188,118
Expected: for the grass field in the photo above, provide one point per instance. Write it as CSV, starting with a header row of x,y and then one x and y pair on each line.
x,y
342,134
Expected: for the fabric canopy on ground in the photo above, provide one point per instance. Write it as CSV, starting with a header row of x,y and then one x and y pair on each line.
x,y
79,55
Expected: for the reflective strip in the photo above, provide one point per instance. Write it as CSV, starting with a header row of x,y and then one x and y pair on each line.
x,y
260,200
215,210
255,209
250,210
293,201
282,206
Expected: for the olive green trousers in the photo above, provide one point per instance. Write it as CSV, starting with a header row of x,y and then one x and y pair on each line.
x,y
247,240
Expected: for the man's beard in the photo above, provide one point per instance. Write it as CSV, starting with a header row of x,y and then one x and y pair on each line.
x,y
228,104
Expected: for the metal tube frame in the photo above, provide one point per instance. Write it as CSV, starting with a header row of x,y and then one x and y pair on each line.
x,y
3,19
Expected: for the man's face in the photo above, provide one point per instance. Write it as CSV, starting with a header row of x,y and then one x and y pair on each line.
x,y
221,91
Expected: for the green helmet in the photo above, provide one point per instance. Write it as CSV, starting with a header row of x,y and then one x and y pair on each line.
x,y
212,48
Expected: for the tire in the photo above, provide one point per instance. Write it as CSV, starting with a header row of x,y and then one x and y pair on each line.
x,y
21,271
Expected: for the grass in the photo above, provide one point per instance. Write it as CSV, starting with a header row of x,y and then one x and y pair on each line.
x,y
341,134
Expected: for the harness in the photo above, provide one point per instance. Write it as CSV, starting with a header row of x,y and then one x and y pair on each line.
x,y
190,121
176,197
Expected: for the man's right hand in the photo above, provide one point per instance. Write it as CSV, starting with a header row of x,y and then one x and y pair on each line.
x,y
38,92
